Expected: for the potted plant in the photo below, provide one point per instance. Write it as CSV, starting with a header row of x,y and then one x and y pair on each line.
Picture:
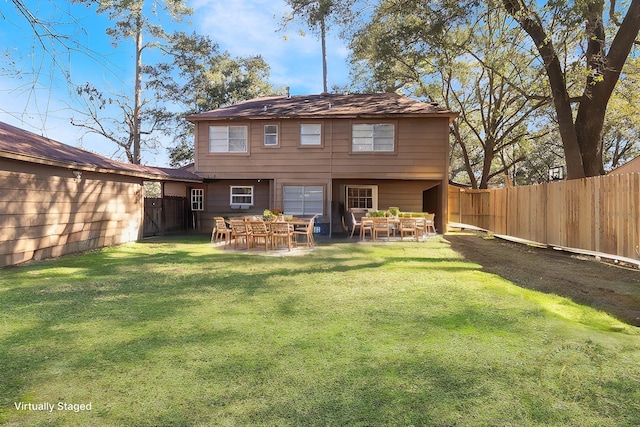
x,y
277,214
375,214
394,211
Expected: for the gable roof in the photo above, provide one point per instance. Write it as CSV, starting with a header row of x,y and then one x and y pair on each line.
x,y
632,166
19,144
327,106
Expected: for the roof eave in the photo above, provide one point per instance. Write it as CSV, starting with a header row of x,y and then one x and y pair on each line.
x,y
92,168
451,115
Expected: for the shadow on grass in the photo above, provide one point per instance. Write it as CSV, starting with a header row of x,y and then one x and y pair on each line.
x,y
153,282
138,296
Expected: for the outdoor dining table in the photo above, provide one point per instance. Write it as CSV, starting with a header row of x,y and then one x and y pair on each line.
x,y
248,225
367,225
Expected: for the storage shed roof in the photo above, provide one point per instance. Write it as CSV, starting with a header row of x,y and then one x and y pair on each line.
x,y
19,144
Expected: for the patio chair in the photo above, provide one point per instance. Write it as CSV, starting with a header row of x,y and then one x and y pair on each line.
x,y
281,232
366,225
429,224
307,231
380,225
259,234
354,224
408,226
221,231
239,232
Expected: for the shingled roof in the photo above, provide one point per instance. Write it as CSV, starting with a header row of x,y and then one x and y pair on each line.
x,y
327,106
19,144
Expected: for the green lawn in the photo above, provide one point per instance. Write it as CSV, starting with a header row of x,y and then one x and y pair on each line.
x,y
178,333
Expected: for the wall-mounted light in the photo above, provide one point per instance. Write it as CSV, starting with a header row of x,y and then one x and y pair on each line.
x,y
77,174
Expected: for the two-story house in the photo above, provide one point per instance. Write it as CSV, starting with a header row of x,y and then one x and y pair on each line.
x,y
322,154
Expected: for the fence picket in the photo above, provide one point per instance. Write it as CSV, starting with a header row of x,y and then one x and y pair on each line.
x,y
600,214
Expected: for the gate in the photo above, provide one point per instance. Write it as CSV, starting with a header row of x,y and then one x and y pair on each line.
x,y
164,215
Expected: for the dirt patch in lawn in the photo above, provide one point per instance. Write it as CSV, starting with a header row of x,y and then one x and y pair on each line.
x,y
583,279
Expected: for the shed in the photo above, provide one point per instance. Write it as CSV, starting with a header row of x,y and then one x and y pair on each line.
x,y
56,199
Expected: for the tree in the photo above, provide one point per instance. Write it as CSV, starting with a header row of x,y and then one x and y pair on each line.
x,y
582,46
622,123
132,23
58,37
113,118
199,78
582,137
475,69
317,15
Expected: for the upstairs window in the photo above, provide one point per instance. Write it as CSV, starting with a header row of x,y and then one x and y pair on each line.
x,y
372,137
227,139
270,135
310,134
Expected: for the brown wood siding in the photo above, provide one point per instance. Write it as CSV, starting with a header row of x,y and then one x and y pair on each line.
x,y
407,195
421,152
262,161
45,212
217,201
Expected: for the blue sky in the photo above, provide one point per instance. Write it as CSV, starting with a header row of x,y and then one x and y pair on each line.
x,y
241,27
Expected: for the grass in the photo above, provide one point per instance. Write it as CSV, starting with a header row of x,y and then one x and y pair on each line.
x,y
177,333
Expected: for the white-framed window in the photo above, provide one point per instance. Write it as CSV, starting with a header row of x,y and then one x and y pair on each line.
x,y
362,197
270,135
241,195
197,199
367,137
228,139
303,199
310,134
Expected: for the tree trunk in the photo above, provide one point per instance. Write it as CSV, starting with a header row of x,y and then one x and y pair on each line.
x,y
137,107
561,100
323,35
455,129
604,75
582,139
489,154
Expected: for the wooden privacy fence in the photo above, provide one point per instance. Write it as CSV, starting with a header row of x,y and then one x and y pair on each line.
x,y
600,214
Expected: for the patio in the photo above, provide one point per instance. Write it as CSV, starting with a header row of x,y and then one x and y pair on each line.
x,y
279,233
278,247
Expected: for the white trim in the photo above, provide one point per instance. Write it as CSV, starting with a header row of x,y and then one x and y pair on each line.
x,y
197,199
221,139
303,198
272,134
311,135
374,197
373,137
242,204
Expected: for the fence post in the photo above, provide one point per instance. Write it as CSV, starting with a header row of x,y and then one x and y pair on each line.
x,y
596,207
